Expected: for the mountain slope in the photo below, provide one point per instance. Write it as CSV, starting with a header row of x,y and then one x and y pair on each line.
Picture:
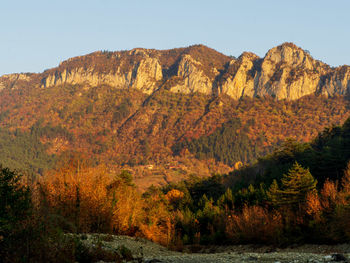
x,y
142,109
326,156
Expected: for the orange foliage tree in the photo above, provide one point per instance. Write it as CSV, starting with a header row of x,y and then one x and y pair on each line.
x,y
95,200
254,224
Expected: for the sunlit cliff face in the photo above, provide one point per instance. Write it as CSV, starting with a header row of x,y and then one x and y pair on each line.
x,y
286,72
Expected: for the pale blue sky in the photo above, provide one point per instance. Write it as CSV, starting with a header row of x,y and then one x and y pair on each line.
x,y
38,34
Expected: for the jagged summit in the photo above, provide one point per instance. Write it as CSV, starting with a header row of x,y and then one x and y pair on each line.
x,y
289,45
248,55
287,53
285,72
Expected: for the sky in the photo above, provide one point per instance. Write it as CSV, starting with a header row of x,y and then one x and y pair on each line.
x,y
37,34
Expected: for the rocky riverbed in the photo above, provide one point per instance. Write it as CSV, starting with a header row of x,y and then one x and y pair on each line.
x,y
145,251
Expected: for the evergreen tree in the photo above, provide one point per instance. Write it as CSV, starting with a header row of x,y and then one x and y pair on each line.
x,y
14,201
273,193
15,208
295,185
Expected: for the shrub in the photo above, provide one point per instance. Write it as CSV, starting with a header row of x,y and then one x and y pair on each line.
x,y
254,225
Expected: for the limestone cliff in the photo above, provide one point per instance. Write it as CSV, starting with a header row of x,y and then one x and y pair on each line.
x,y
14,81
142,72
193,78
336,83
238,80
286,72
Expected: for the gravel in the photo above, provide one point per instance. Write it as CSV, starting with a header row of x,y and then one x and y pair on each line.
x,y
147,251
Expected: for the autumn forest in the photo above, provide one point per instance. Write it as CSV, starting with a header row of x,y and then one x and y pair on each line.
x,y
125,143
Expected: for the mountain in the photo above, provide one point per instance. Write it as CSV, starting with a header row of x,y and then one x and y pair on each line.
x,y
286,72
165,114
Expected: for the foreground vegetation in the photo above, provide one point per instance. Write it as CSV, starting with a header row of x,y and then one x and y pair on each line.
x,y
300,194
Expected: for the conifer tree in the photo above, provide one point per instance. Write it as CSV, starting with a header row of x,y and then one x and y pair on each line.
x,y
273,192
295,185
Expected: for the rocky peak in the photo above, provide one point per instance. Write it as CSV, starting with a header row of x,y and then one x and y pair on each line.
x,y
286,72
248,56
289,54
138,51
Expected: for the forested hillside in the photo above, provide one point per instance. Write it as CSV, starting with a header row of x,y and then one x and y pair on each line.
x,y
164,115
128,129
326,156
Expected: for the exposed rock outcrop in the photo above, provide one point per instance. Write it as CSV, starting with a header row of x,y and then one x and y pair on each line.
x,y
336,83
286,72
16,80
239,78
142,74
146,74
193,78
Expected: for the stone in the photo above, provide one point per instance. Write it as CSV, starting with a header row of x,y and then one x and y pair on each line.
x,y
339,258
193,78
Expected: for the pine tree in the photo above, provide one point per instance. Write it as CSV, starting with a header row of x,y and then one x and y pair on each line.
x,y
274,192
295,185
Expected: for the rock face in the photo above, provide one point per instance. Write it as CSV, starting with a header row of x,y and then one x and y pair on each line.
x,y
286,72
146,74
15,80
238,80
143,74
193,78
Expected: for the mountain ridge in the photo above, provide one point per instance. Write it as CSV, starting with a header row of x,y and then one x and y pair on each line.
x,y
285,72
